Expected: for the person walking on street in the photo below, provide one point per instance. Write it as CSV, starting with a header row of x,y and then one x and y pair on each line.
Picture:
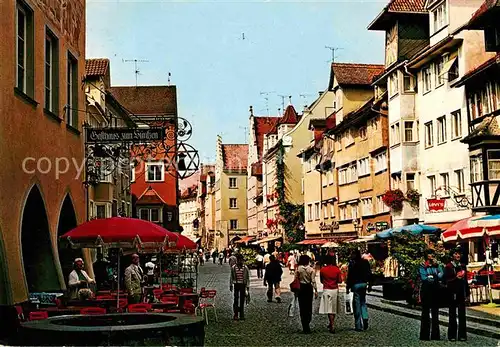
x,y
240,283
134,277
267,259
330,278
305,275
430,274
272,279
221,258
259,258
226,254
455,274
214,255
233,260
359,278
291,263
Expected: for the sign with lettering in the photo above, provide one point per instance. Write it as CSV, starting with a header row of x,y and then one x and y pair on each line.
x,y
436,204
329,227
370,227
114,135
44,298
381,226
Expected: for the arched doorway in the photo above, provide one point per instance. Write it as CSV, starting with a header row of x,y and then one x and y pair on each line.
x,y
38,258
67,221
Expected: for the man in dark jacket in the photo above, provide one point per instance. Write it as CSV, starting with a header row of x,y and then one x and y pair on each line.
x,y
272,279
455,274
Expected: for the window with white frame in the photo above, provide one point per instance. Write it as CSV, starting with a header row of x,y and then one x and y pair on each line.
x,y
343,212
155,172
393,84
395,134
396,181
325,210
476,168
432,184
367,206
316,211
493,164
106,170
408,134
439,66
459,180
408,84
233,182
364,166
72,88
349,138
309,212
456,124
51,72
233,203
332,210
445,182
380,162
101,211
439,17
441,130
330,176
427,79
429,134
233,224
381,206
24,48
410,181
324,179
343,175
363,133
302,183
354,211
454,71
352,173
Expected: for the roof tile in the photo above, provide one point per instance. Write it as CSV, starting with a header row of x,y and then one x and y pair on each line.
x,y
96,67
407,6
147,100
356,74
263,126
235,157
290,116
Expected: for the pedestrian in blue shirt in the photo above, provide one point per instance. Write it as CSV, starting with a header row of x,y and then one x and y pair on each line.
x,y
431,273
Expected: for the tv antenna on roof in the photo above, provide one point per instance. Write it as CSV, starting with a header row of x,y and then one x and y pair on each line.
x,y
266,97
333,49
137,72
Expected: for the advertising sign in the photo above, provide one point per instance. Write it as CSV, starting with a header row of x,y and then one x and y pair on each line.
x,y
435,204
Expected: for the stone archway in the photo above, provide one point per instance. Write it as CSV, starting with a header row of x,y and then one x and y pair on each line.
x,y
37,254
67,221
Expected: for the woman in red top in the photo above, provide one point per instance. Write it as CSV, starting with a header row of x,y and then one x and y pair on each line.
x,y
330,277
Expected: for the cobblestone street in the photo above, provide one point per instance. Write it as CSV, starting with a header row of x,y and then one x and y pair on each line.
x,y
267,324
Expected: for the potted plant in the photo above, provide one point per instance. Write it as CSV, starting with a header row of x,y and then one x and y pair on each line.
x,y
413,197
394,199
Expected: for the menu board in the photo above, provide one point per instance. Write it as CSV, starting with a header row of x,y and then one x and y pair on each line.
x,y
44,298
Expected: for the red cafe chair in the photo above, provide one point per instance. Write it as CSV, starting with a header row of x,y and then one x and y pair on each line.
x,y
207,300
137,310
92,311
38,315
189,307
135,307
174,300
104,297
157,292
186,290
20,313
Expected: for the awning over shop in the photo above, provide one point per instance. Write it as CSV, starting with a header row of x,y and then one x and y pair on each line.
x,y
330,244
312,242
268,239
246,239
363,239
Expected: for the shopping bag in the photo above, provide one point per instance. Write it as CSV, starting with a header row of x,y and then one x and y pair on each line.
x,y
293,307
295,285
247,297
348,303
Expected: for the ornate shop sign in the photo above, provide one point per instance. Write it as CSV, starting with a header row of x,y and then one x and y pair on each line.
x,y
329,227
114,135
436,204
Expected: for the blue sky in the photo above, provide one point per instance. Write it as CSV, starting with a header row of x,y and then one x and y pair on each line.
x,y
217,73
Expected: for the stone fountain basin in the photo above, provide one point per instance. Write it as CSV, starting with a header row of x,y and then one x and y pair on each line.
x,y
125,329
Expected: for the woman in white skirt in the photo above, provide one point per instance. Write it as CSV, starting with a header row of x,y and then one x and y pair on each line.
x,y
330,277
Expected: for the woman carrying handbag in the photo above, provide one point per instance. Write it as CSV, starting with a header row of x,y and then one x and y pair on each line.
x,y
306,278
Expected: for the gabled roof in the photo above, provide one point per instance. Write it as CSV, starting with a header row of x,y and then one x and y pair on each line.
x,y
479,71
150,197
96,67
354,74
486,8
290,116
263,126
189,192
395,7
235,156
147,100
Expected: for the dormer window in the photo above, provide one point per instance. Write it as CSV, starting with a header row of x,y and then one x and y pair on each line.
x,y
439,17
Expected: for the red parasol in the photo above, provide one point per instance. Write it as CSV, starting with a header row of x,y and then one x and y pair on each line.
x,y
120,232
185,243
466,229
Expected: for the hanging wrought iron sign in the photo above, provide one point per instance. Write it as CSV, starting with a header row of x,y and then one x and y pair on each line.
x,y
118,135
187,160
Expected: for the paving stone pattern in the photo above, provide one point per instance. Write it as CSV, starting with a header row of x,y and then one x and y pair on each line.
x,y
268,324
